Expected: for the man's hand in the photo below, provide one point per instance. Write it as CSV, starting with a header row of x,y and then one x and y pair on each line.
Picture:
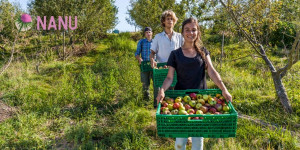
x,y
140,60
153,64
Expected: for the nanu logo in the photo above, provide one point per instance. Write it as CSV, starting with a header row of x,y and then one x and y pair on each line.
x,y
53,25
24,23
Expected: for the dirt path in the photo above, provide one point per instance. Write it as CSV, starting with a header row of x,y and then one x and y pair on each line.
x,y
5,110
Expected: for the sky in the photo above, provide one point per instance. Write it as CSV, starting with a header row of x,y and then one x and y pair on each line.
x,y
122,5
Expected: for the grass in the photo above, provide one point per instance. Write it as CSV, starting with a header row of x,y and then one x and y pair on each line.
x,y
95,102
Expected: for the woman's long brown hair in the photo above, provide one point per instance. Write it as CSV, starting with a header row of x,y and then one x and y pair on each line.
x,y
198,42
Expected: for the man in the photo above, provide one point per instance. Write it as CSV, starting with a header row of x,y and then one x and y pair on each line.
x,y
165,42
143,49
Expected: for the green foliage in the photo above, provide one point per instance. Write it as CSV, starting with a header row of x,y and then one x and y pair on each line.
x,y
25,132
137,36
8,15
81,132
123,43
144,13
283,35
95,18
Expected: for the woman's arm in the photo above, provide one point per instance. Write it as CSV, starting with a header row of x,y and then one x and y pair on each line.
x,y
167,83
214,75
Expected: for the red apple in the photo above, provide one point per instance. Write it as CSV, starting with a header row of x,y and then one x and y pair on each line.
x,y
176,105
224,104
191,111
193,96
162,108
196,118
203,109
170,100
187,106
218,107
163,102
219,101
165,105
212,110
207,105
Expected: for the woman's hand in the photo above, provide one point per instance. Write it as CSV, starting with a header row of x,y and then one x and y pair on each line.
x,y
227,95
160,95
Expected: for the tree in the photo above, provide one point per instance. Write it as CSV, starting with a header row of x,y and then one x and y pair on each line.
x,y
94,17
8,15
145,13
251,17
8,32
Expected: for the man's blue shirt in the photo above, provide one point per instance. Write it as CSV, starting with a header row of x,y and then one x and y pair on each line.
x,y
143,49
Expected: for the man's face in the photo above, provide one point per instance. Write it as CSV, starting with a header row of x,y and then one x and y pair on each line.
x,y
148,34
169,22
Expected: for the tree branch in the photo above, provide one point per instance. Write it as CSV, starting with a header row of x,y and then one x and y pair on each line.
x,y
266,59
247,36
292,59
242,57
11,56
2,47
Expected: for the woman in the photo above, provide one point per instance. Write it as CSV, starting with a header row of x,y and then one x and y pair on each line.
x,y
190,62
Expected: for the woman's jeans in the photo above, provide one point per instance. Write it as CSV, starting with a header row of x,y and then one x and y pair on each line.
x,y
197,143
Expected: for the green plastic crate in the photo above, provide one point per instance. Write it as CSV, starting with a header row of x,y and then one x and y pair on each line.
x,y
211,126
145,66
159,76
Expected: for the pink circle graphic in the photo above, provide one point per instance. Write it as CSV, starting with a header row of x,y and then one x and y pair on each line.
x,y
26,18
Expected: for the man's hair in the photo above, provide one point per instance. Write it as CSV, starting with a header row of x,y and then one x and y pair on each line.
x,y
166,14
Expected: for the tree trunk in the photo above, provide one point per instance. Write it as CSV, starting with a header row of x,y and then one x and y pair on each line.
x,y
85,41
222,52
64,45
281,93
280,90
